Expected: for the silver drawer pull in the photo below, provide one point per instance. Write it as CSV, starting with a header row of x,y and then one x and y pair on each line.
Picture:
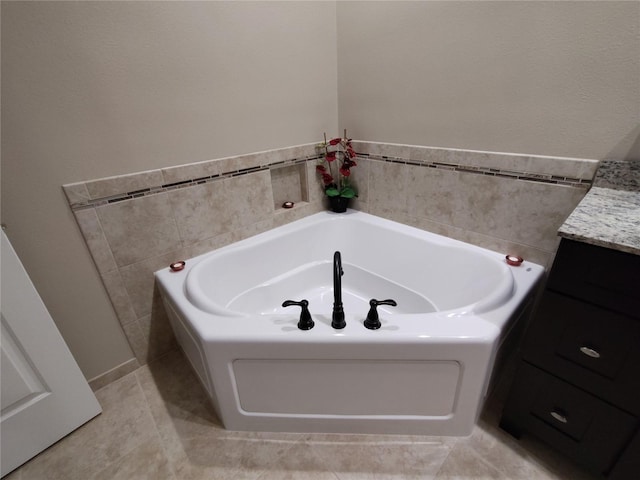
x,y
589,352
559,417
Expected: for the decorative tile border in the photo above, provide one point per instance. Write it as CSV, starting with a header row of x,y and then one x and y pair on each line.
x,y
574,172
553,170
494,172
166,187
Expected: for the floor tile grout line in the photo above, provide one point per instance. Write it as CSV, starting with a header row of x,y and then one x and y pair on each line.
x,y
477,457
155,430
155,424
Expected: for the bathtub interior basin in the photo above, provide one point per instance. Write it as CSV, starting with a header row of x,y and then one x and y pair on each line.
x,y
313,282
444,276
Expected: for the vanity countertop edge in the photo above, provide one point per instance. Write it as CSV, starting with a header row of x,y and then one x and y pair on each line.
x,y
609,214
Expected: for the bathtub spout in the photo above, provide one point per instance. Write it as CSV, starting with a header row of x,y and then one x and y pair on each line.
x,y
337,319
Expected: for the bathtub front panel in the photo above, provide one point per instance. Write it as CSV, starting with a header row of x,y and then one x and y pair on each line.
x,y
321,387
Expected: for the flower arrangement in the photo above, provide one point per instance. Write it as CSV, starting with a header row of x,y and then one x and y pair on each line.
x,y
335,167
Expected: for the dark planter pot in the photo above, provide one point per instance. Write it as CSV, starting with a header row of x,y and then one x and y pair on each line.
x,y
338,204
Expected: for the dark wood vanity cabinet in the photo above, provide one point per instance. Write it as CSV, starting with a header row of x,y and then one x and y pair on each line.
x,y
578,381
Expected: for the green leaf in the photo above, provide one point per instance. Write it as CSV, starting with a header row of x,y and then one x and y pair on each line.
x,y
348,192
332,192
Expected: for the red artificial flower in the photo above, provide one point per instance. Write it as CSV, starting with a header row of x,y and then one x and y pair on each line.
x,y
348,163
321,168
327,179
344,170
351,152
335,141
331,156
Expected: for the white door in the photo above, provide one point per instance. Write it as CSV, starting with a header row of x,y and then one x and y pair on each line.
x,y
44,394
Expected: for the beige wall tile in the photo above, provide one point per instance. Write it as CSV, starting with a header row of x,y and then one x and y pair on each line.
x,y
208,244
302,210
249,198
191,171
119,296
96,240
200,211
305,150
138,341
287,183
254,228
523,163
433,194
531,213
76,193
506,246
158,334
213,208
523,212
157,329
232,164
362,146
139,228
360,178
316,191
387,186
139,280
106,187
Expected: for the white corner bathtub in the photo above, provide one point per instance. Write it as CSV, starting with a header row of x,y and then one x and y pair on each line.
x,y
425,371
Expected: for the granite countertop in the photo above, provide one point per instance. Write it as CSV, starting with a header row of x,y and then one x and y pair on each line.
x,y
609,214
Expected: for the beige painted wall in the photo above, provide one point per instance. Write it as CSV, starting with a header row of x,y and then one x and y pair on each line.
x,y
547,78
93,89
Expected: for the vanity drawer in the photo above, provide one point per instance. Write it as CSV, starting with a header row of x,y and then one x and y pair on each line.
x,y
595,348
608,278
576,423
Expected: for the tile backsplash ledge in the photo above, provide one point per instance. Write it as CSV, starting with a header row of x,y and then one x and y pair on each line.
x,y
556,170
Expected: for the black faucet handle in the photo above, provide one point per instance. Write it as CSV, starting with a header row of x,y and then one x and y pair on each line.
x,y
305,322
373,321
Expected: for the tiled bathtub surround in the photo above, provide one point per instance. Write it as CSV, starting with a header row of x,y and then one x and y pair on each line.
x,y
136,224
504,202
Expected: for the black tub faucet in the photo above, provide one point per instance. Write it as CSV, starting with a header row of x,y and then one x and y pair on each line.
x,y
306,322
373,320
337,319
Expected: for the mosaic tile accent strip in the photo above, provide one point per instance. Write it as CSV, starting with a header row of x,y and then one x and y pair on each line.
x,y
166,187
558,171
493,172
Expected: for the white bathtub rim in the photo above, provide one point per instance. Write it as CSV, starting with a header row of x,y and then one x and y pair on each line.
x,y
196,296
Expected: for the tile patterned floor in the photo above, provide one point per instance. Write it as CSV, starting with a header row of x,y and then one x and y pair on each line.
x,y
158,424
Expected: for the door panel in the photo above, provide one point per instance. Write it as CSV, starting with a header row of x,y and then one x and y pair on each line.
x,y
44,394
